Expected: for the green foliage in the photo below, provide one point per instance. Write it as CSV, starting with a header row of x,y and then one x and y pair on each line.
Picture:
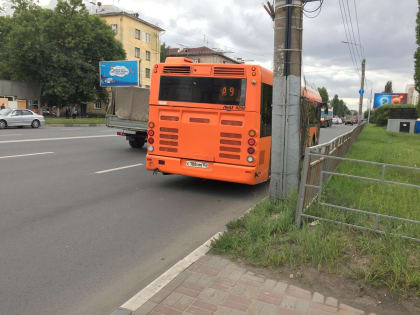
x,y
380,115
164,52
388,87
324,95
59,48
267,236
339,107
417,56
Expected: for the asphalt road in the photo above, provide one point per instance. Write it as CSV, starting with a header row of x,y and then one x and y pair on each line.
x,y
75,241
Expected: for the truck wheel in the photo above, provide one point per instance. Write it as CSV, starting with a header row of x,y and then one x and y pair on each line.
x,y
137,143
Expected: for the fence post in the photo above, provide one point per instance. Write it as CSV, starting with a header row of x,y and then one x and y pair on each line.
x,y
302,188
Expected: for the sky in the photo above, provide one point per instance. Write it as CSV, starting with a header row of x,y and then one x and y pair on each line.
x,y
244,29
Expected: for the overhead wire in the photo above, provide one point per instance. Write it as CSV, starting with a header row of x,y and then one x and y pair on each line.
x,y
350,48
317,11
353,38
358,29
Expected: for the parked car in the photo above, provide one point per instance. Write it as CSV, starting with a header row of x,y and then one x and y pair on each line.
x,y
19,118
47,112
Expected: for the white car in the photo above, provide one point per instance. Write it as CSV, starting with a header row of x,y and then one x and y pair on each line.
x,y
19,118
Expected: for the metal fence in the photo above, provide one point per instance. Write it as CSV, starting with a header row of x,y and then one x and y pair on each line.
x,y
319,166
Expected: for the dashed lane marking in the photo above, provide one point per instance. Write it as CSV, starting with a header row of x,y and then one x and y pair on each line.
x,y
24,155
118,168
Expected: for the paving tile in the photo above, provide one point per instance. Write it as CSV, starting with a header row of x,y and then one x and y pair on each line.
x,y
270,297
205,306
298,292
198,311
222,310
165,310
146,308
183,303
239,299
269,284
160,296
331,301
295,304
322,309
213,296
259,307
346,307
224,284
206,269
172,298
186,291
280,287
318,298
235,306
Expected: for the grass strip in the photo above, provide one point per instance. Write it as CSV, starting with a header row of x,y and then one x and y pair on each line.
x,y
71,121
267,236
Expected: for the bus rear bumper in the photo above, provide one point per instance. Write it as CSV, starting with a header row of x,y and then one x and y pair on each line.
x,y
215,171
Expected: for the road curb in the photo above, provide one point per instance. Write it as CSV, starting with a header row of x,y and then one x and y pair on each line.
x,y
75,125
154,287
144,295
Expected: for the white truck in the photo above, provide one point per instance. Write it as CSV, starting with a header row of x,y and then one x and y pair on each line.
x,y
128,111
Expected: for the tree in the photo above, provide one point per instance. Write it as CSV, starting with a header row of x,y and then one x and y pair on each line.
x,y
59,48
324,95
339,107
164,52
417,55
388,87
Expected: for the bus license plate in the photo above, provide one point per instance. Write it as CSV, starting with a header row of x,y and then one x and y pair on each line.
x,y
197,164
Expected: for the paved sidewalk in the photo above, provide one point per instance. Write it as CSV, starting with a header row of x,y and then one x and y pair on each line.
x,y
215,285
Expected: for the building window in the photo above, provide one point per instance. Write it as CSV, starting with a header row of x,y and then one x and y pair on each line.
x,y
137,52
147,38
138,34
97,105
115,28
147,73
148,55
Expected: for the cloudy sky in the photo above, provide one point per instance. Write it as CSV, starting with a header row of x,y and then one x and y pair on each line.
x,y
387,30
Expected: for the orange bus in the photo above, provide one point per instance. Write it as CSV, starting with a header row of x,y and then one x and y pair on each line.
x,y
212,121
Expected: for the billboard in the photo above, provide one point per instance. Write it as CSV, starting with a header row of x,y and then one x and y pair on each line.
x,y
119,73
389,98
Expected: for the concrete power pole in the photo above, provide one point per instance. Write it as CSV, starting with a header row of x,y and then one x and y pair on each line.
x,y
285,151
362,87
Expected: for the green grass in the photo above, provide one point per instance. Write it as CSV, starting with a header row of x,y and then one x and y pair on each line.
x,y
71,121
267,235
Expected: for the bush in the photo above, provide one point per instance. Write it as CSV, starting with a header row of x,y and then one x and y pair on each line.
x,y
380,115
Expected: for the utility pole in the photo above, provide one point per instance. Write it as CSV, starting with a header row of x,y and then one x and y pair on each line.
x,y
370,104
286,129
362,87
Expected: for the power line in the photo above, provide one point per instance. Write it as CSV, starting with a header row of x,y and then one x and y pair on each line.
x,y
358,28
345,24
352,30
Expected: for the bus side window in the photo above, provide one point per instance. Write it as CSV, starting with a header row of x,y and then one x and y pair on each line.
x,y
266,109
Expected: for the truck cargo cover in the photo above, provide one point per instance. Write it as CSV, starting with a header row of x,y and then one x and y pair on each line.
x,y
130,103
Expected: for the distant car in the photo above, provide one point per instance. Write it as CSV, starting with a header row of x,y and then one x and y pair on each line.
x,y
335,120
19,118
48,112
340,121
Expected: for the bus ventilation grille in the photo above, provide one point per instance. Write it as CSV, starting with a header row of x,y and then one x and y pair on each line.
x,y
222,71
177,69
234,142
168,140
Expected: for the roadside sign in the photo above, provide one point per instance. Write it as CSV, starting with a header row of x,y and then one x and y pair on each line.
x,y
119,73
361,92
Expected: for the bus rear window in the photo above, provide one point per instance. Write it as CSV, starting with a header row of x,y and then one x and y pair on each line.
x,y
203,90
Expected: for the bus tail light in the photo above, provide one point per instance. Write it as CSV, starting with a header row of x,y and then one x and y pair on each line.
x,y
151,125
252,142
151,140
151,133
150,148
252,133
251,150
250,159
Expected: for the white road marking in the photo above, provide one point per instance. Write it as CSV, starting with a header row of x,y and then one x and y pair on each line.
x,y
118,168
55,139
23,155
12,134
148,292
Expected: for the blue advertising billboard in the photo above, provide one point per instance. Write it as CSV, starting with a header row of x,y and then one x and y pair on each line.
x,y
119,73
389,98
